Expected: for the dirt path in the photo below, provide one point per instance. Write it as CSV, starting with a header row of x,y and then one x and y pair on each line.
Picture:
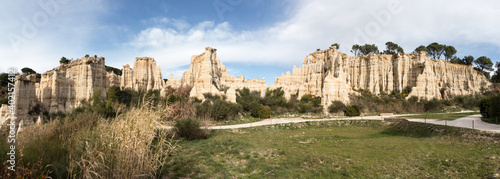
x,y
465,122
471,122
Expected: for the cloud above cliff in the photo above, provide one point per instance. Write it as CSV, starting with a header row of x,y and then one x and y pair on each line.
x,y
37,34
312,24
247,33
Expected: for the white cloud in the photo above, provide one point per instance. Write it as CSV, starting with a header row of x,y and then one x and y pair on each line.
x,y
319,23
37,33
311,24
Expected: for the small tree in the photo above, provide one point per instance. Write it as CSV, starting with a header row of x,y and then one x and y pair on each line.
x,y
484,64
449,52
496,77
356,50
420,48
393,48
63,60
435,50
28,71
367,49
87,55
337,46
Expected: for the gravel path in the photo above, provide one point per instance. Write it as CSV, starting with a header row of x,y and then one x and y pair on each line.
x,y
471,122
465,122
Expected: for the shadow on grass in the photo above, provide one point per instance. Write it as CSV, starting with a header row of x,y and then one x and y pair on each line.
x,y
412,129
423,130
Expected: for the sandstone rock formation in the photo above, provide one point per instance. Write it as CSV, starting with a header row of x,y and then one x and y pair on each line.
x,y
146,75
328,74
64,87
208,75
333,76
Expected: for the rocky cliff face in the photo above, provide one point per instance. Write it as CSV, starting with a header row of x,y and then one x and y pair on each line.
x,y
329,74
208,75
146,75
64,87
333,76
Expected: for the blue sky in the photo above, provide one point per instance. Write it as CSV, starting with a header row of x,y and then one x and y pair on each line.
x,y
254,38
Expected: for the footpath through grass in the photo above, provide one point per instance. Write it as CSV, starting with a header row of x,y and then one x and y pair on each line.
x,y
441,116
358,149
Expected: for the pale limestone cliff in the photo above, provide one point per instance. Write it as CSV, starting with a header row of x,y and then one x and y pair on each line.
x,y
207,74
146,75
333,76
64,87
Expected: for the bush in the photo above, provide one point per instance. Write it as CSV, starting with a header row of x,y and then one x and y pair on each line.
x,y
433,104
216,108
484,107
276,100
310,103
189,129
264,112
63,60
336,106
494,110
352,111
247,99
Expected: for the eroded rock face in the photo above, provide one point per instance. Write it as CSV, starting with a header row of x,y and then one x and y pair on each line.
x,y
64,87
146,75
207,74
333,76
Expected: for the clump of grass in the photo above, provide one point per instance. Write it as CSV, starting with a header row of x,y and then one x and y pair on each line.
x,y
128,147
189,129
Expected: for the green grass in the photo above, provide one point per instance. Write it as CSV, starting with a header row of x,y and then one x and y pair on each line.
x,y
335,149
491,120
440,116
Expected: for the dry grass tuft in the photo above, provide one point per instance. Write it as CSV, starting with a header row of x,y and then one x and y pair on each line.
x,y
130,146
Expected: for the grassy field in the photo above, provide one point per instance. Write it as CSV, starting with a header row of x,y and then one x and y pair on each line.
x,y
440,116
336,149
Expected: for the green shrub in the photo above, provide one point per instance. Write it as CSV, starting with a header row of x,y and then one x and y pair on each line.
x,y
276,100
189,129
336,106
247,99
433,104
352,111
216,108
494,110
310,103
264,112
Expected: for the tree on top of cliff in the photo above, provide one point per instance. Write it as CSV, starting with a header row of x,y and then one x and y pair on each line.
x,y
356,50
28,71
337,46
435,50
367,49
449,52
63,60
484,63
467,60
393,48
496,77
420,48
